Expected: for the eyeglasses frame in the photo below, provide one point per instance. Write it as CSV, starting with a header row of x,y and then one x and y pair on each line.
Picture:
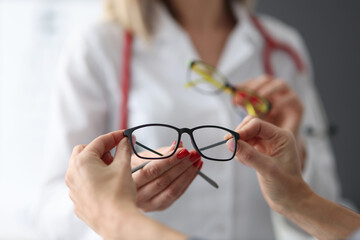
x,y
128,133
226,87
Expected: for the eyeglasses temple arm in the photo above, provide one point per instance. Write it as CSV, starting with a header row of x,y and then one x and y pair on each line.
x,y
147,148
212,81
135,169
206,178
201,174
213,145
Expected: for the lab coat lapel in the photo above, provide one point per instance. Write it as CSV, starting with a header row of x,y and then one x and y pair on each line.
x,y
243,43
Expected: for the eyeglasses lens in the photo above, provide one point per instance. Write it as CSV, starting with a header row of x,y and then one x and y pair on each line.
x,y
155,147
211,143
205,78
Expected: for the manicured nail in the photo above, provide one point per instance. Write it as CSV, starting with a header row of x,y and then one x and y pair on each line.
x,y
254,100
194,156
198,164
239,97
183,153
242,94
172,147
231,145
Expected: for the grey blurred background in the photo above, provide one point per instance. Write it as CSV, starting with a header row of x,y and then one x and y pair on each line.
x,y
331,30
33,33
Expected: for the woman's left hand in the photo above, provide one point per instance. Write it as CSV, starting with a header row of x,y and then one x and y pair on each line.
x,y
286,111
100,183
273,153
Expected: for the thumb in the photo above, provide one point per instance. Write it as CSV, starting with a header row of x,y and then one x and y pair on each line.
x,y
123,154
249,156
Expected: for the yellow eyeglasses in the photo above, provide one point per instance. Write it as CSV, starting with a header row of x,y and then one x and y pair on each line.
x,y
207,79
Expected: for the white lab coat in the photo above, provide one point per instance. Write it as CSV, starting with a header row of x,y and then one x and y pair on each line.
x,y
87,103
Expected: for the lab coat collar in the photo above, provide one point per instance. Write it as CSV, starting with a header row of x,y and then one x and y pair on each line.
x,y
241,44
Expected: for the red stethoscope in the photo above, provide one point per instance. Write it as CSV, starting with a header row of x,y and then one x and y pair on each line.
x,y
270,45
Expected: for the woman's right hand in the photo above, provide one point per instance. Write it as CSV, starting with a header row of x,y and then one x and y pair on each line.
x,y
162,182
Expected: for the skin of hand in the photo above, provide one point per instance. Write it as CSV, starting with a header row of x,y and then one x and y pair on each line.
x,y
96,180
286,111
103,191
273,153
161,183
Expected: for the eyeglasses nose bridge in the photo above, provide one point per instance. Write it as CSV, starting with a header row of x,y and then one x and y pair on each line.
x,y
190,133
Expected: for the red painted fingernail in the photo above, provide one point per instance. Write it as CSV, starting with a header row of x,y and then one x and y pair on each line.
x,y
195,164
198,164
172,147
183,153
194,156
241,95
254,99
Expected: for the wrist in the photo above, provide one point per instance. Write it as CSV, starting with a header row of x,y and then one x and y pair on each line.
x,y
131,224
120,220
298,202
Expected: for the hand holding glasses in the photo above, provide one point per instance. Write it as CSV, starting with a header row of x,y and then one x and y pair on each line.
x,y
208,140
209,80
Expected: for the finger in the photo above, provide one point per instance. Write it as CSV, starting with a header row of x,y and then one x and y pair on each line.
x,y
274,87
158,185
158,167
78,149
244,122
122,156
257,83
165,198
291,100
259,129
107,158
105,143
249,156
293,117
136,161
254,85
241,97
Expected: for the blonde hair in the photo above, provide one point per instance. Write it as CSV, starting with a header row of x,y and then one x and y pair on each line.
x,y
135,15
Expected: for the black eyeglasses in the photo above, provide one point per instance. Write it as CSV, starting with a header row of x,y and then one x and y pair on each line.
x,y
208,140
